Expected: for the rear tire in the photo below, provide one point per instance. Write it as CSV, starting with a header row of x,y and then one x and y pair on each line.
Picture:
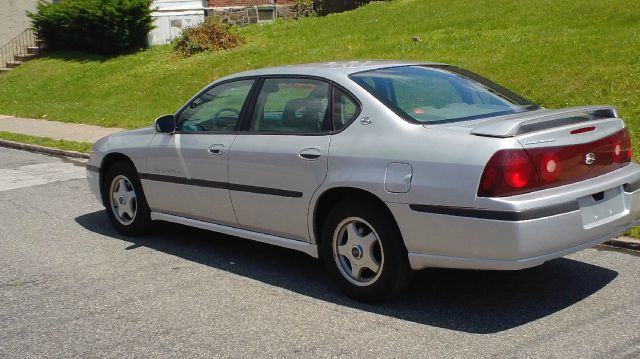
x,y
126,204
363,251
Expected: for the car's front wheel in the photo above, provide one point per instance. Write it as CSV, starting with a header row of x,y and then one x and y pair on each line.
x,y
363,251
126,205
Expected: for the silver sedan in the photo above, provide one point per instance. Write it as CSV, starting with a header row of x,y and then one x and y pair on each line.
x,y
379,168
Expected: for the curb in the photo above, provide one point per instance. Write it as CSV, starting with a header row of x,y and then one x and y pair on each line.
x,y
623,244
43,150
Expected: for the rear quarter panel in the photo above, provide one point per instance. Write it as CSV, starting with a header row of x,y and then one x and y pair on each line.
x,y
447,164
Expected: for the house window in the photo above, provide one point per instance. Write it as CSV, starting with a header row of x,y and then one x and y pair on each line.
x,y
266,13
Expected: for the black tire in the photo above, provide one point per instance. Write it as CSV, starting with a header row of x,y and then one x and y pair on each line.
x,y
394,273
141,221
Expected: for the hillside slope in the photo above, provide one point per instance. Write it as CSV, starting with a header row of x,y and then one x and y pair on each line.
x,y
556,52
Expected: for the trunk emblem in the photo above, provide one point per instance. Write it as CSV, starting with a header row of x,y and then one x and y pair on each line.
x,y
589,158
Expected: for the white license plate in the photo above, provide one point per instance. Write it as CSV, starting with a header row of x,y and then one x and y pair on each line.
x,y
602,207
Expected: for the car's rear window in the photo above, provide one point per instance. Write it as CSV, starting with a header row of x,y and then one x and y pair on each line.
x,y
432,94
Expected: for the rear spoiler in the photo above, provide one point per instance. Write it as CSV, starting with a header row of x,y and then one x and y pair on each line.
x,y
518,124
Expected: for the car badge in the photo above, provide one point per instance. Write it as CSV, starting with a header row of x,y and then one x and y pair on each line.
x,y
589,158
366,120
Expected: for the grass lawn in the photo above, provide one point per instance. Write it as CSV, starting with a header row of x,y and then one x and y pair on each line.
x,y
47,142
558,53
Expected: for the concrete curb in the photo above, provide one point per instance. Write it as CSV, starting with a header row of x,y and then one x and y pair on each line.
x,y
43,150
623,244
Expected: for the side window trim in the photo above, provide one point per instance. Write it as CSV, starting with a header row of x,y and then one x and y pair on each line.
x,y
243,111
245,119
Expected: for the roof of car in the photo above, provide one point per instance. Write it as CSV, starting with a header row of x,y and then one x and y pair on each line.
x,y
329,69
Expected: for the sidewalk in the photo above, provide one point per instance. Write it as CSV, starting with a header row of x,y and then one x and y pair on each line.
x,y
55,129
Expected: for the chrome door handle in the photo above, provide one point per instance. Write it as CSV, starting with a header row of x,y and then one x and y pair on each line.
x,y
217,150
310,154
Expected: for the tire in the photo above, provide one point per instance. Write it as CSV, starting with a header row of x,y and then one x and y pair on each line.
x,y
126,204
361,233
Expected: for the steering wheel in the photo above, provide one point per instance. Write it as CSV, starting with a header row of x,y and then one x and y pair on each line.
x,y
226,109
193,127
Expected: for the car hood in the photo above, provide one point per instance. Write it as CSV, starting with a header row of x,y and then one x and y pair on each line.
x,y
136,132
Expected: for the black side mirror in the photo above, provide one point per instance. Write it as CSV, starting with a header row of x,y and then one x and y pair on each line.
x,y
166,124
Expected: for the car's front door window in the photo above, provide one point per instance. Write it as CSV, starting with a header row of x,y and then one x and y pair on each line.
x,y
217,109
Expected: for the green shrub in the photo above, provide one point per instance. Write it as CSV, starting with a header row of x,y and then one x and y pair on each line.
x,y
99,26
211,35
303,8
325,7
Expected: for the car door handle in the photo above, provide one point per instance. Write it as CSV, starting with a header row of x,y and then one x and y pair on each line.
x,y
217,149
310,154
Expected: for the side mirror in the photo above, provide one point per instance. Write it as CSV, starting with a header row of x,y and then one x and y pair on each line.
x,y
166,124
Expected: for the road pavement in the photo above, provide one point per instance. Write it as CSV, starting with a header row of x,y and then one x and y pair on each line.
x,y
70,286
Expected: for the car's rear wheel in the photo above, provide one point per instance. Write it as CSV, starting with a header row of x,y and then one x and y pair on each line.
x,y
126,205
363,251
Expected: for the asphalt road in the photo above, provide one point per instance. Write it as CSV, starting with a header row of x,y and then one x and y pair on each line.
x,y
71,287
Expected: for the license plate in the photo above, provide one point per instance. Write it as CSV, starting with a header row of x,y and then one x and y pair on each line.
x,y
602,207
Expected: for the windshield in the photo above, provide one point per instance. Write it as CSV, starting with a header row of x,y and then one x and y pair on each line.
x,y
432,94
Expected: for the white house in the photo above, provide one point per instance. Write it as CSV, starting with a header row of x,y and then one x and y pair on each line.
x,y
13,18
172,16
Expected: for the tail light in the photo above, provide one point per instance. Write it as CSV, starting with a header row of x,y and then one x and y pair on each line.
x,y
517,171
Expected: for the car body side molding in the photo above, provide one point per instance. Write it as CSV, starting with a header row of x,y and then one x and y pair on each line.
x,y
222,185
540,212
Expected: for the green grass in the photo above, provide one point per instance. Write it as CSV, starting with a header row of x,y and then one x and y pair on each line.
x,y
47,142
558,53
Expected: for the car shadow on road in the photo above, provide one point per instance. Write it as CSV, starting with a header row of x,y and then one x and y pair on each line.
x,y
470,301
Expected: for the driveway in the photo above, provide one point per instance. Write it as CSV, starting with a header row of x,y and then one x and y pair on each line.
x,y
72,287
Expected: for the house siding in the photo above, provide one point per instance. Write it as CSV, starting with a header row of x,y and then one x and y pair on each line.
x,y
173,16
13,18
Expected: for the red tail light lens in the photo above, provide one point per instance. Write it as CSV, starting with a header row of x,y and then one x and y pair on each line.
x,y
508,172
622,151
517,171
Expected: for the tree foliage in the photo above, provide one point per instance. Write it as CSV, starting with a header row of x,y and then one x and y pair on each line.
x,y
98,26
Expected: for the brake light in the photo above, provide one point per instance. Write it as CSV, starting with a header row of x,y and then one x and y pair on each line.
x,y
516,171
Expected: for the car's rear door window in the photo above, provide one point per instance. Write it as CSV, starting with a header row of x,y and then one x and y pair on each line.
x,y
345,109
291,105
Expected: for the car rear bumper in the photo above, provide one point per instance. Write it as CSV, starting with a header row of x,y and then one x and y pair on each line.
x,y
521,231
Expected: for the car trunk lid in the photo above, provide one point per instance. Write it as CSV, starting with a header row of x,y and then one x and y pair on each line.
x,y
562,146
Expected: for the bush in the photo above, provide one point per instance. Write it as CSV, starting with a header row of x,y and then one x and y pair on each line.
x,y
211,35
99,26
325,7
303,8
